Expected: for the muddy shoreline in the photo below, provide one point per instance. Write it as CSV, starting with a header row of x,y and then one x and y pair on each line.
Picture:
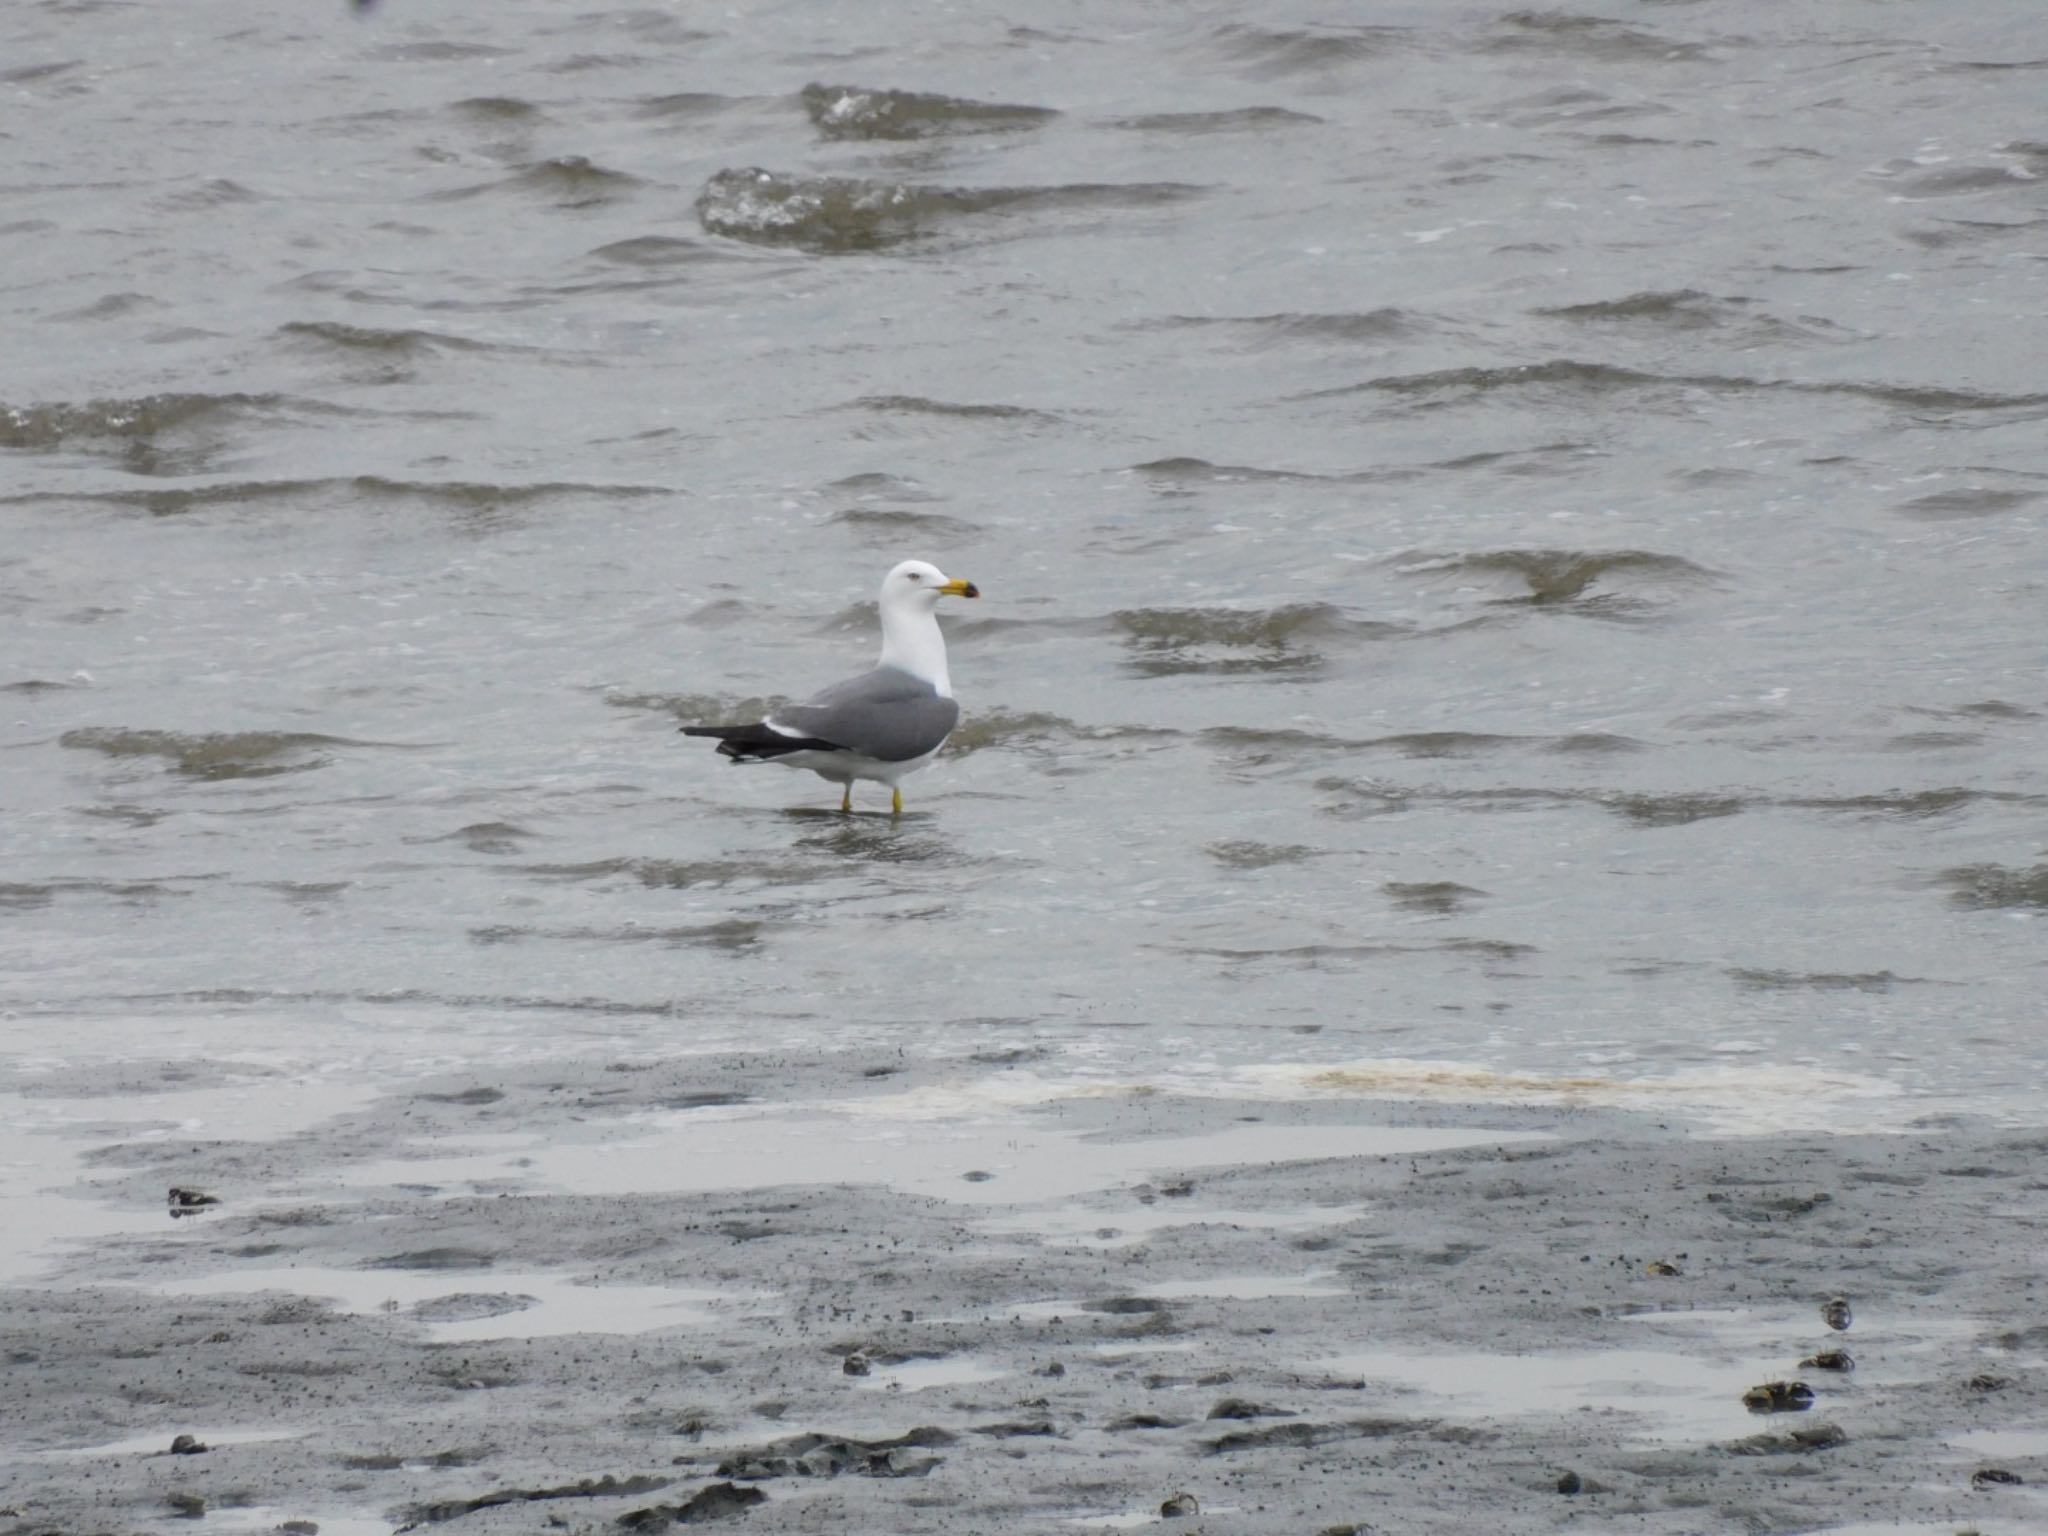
x,y
1529,1318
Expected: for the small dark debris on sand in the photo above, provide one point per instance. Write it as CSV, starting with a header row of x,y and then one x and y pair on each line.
x,y
590,1488
714,1501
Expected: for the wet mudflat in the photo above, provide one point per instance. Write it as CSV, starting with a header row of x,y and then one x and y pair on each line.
x,y
1530,1318
1512,564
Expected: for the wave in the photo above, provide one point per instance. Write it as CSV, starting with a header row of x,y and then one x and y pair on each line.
x,y
114,306
1975,501
730,933
32,686
1997,886
1440,898
1345,326
920,405
1588,37
1818,981
696,708
1566,577
676,874
1688,309
435,50
497,109
896,522
216,192
1643,809
32,895
1544,459
1266,743
1167,641
1243,853
840,215
651,251
856,112
1571,376
482,495
1182,467
218,754
1916,804
469,498
1235,120
1912,183
486,837
984,728
379,341
1267,52
568,181
144,417
685,104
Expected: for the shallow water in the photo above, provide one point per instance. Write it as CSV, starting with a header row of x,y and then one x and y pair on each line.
x,y
1511,542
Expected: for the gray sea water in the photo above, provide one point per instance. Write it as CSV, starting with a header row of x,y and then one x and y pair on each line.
x,y
1511,542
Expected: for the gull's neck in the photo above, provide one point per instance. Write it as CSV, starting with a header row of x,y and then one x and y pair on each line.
x,y
911,642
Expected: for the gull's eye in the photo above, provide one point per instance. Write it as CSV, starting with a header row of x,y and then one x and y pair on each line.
x,y
912,576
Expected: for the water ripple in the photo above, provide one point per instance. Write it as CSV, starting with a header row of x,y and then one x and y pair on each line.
x,y
840,215
856,112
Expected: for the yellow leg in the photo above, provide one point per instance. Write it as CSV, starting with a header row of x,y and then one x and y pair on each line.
x,y
899,803
846,800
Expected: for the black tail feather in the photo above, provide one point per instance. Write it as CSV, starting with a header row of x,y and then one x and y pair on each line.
x,y
756,743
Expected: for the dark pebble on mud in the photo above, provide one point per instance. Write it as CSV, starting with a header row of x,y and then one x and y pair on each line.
x,y
1241,1408
1569,1483
189,1445
1836,1313
856,1364
714,1501
1828,1360
1180,1504
1991,1477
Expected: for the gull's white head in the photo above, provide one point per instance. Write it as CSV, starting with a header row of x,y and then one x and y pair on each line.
x,y
917,585
910,627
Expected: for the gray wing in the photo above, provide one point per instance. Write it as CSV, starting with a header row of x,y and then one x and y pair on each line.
x,y
885,714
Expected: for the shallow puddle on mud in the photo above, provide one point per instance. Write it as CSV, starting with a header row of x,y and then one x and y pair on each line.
x,y
263,1517
158,1442
48,1199
1013,1161
512,1305
2003,1444
920,1375
1322,1282
1669,1396
42,1223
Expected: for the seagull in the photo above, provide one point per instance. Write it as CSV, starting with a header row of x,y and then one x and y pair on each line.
x,y
882,724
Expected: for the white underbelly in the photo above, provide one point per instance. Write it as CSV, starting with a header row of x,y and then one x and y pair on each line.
x,y
845,767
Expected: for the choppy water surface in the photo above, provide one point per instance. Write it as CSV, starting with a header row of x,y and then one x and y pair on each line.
x,y
1511,539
